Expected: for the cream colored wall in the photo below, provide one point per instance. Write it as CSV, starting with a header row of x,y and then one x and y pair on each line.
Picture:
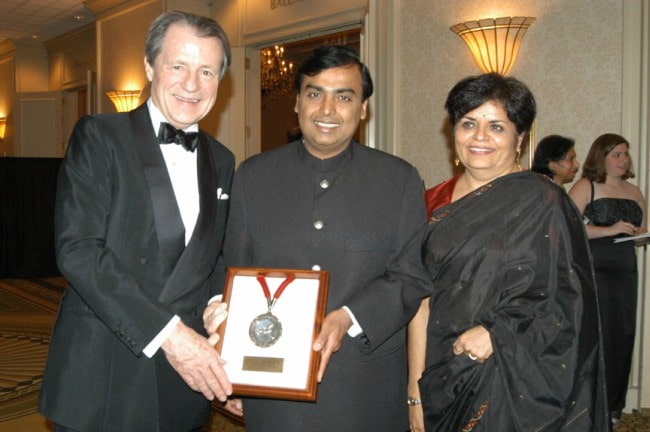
x,y
121,34
31,67
23,68
571,58
71,56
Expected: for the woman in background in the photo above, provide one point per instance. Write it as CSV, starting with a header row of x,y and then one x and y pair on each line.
x,y
555,157
613,208
509,339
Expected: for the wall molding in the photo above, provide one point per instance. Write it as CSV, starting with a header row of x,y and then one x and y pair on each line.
x,y
634,127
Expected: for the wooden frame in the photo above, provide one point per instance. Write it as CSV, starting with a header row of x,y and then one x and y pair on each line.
x,y
273,359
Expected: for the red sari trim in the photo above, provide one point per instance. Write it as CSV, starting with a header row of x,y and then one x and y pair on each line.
x,y
474,421
440,195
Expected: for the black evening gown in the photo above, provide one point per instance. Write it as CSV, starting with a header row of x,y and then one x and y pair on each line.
x,y
616,283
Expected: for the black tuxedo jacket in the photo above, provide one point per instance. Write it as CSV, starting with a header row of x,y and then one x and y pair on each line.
x,y
120,243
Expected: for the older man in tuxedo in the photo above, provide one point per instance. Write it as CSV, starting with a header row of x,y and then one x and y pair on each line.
x,y
139,221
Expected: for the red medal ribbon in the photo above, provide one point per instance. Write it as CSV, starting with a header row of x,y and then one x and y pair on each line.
x,y
261,278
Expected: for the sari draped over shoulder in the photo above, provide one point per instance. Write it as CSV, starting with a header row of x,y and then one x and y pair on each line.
x,y
513,257
440,195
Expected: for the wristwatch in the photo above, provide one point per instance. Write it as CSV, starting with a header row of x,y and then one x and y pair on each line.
x,y
411,401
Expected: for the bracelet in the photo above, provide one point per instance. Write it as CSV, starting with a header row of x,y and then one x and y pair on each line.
x,y
411,401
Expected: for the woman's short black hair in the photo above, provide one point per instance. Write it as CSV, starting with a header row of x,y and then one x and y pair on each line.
x,y
472,92
551,148
331,56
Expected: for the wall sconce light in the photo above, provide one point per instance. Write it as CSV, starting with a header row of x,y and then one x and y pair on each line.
x,y
3,125
124,100
494,42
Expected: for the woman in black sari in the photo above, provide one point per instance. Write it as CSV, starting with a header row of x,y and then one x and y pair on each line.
x,y
510,338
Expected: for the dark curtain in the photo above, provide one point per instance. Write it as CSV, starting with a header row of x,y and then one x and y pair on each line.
x,y
27,190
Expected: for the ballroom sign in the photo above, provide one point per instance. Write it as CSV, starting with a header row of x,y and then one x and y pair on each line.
x,y
268,20
282,3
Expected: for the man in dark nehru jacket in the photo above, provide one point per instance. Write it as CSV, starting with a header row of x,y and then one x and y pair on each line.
x,y
326,202
139,223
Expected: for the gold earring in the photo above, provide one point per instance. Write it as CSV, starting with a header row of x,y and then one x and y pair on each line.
x,y
456,162
518,160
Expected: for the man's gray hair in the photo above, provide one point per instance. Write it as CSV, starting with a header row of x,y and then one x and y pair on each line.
x,y
204,27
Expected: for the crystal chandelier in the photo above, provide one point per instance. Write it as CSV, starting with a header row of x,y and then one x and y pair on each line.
x,y
276,73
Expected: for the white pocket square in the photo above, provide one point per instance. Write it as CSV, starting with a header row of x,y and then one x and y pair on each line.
x,y
221,195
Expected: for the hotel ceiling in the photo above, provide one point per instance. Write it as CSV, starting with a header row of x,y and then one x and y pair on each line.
x,y
41,20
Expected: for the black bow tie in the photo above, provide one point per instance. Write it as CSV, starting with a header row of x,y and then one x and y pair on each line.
x,y
168,134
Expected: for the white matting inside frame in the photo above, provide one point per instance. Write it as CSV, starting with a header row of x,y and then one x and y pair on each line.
x,y
296,311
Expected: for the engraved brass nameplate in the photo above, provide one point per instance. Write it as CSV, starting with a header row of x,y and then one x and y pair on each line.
x,y
263,364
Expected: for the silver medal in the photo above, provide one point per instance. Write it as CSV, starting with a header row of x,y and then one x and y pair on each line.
x,y
265,330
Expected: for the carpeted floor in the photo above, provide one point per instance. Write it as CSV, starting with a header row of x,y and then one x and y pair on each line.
x,y
27,312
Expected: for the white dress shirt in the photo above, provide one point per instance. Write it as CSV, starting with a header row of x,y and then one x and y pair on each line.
x,y
181,166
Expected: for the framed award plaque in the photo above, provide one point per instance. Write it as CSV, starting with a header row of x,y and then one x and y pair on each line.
x,y
274,315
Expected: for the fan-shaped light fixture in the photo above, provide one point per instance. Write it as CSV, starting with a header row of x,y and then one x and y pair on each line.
x,y
3,125
494,42
124,100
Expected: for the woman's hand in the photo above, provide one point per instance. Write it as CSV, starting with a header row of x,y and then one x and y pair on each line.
x,y
622,227
416,418
475,343
641,241
417,344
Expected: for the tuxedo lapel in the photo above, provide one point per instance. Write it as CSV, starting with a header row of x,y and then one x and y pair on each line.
x,y
193,266
167,217
208,202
